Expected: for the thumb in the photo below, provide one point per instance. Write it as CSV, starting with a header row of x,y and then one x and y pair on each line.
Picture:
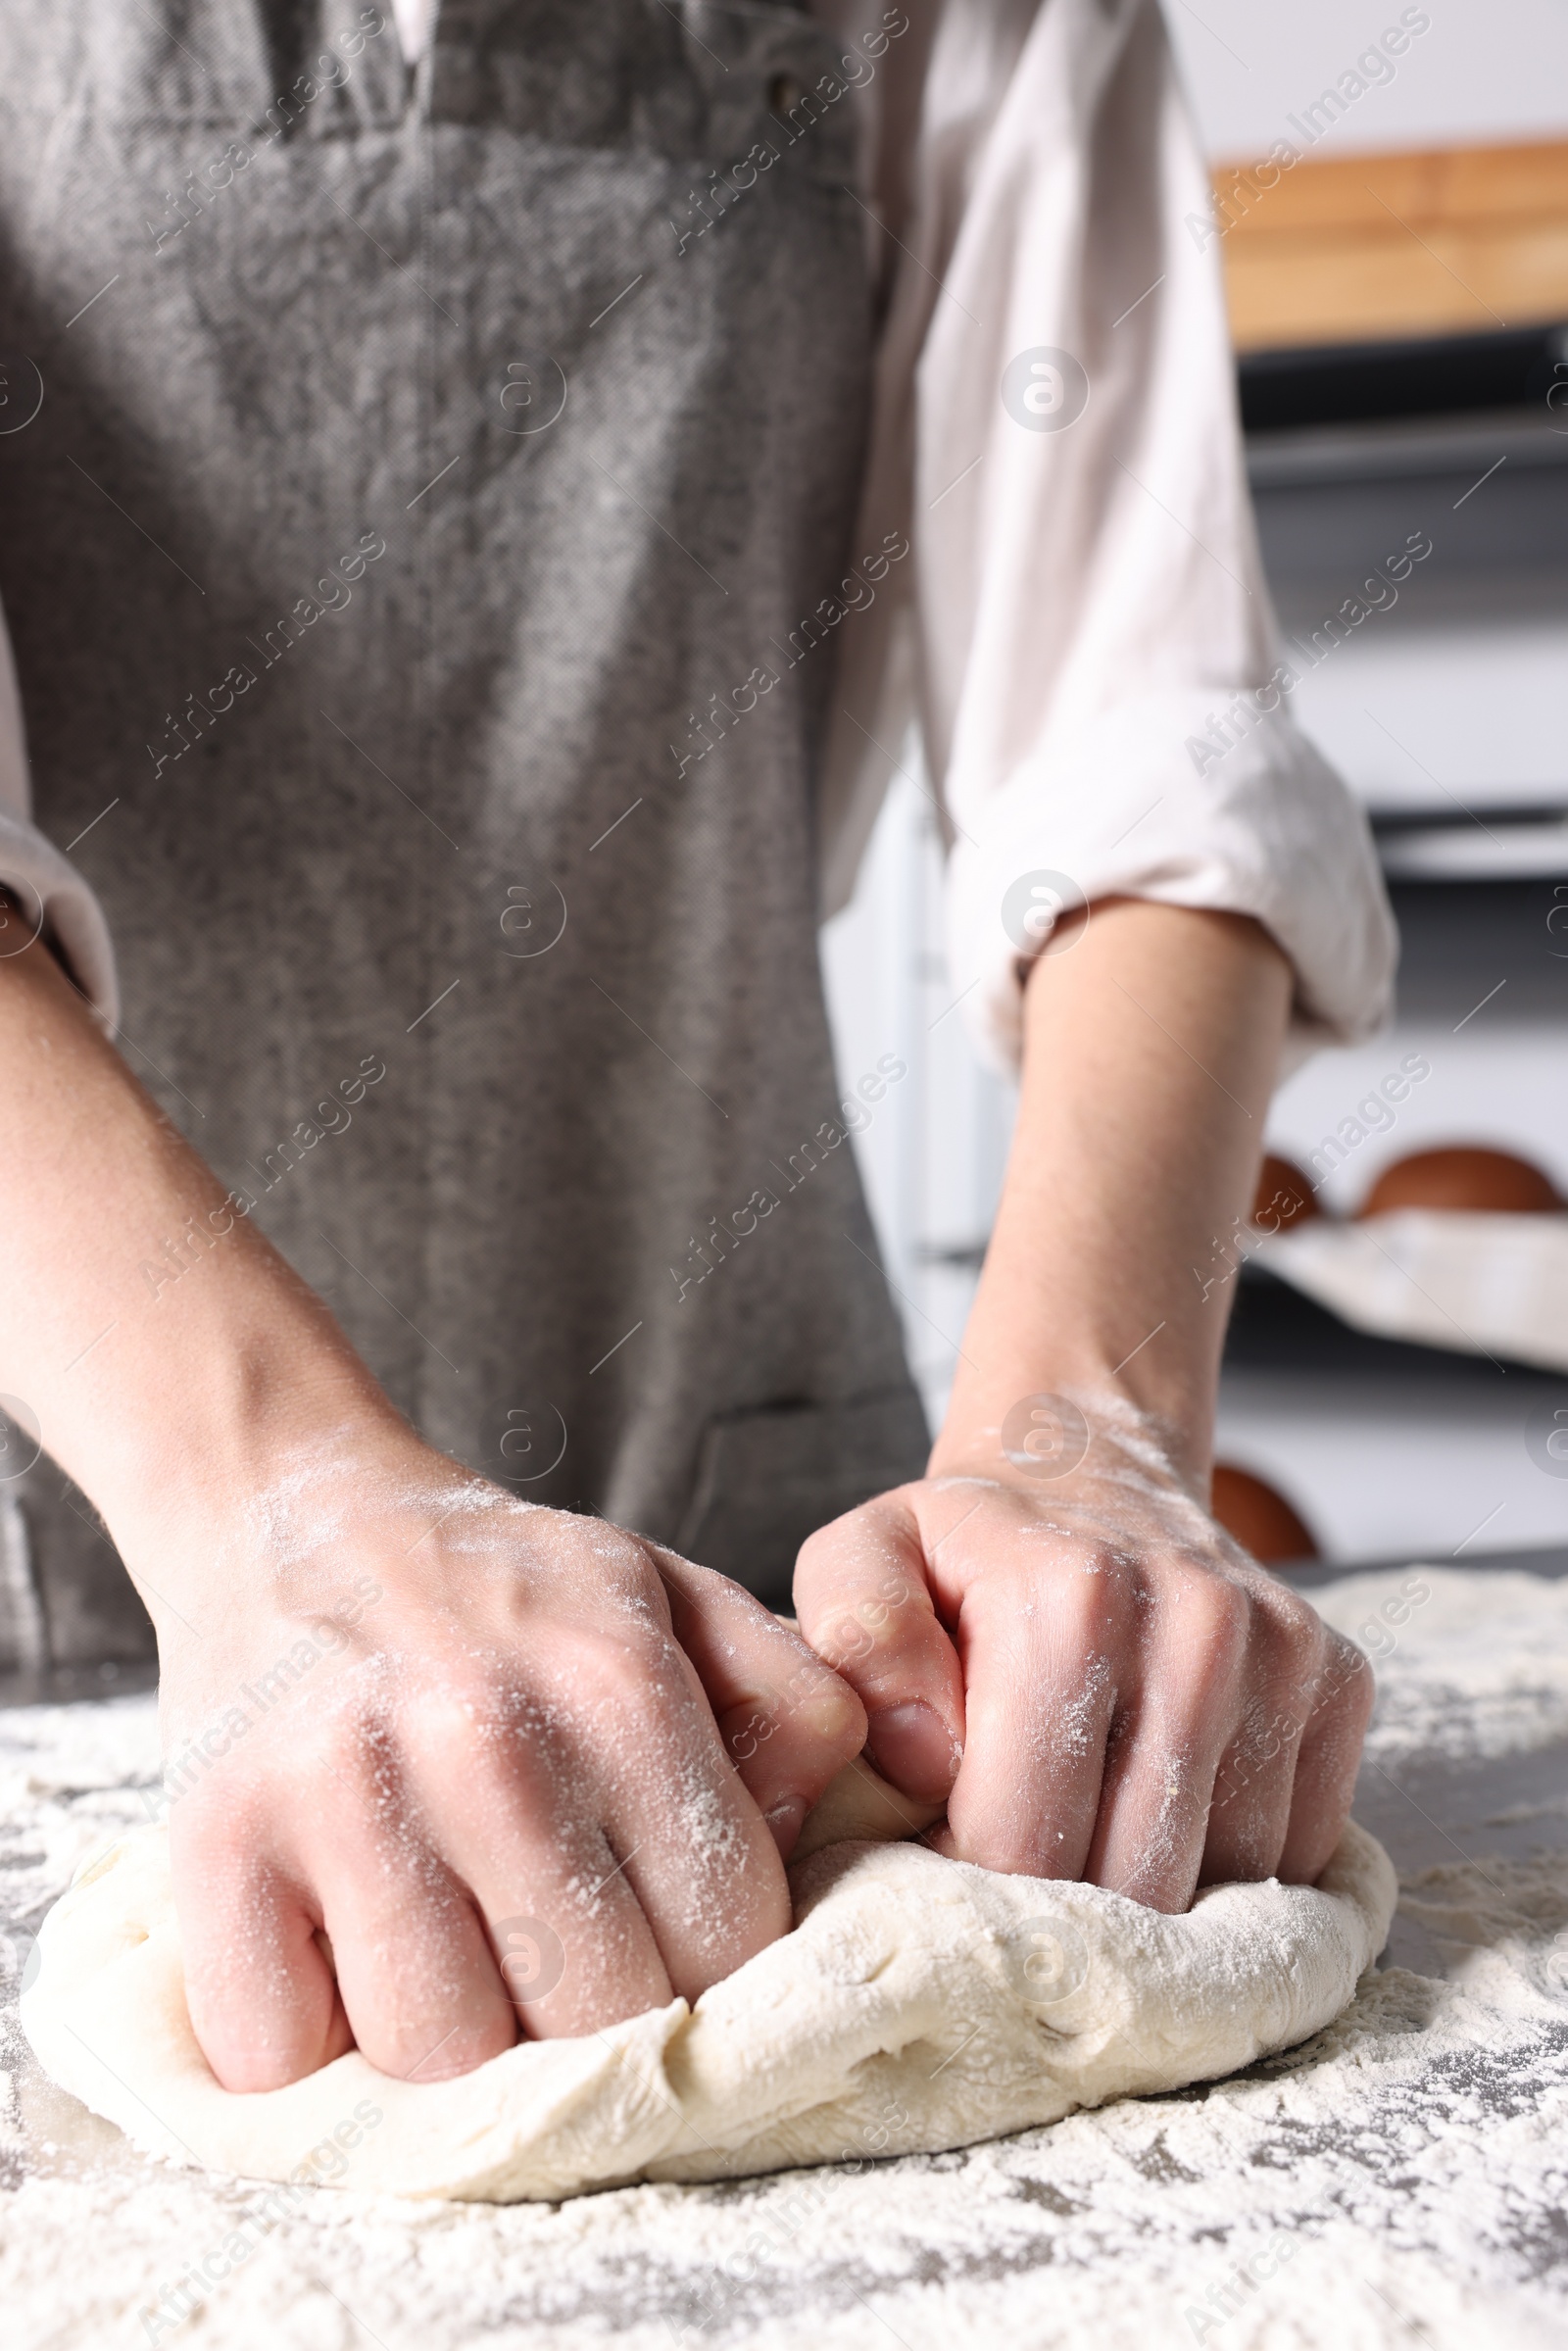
x,y
864,1604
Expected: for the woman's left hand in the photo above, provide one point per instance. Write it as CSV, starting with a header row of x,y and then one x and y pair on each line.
x,y
1102,1683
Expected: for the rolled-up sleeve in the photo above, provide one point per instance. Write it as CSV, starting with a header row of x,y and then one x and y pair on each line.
x,y
52,897
1094,646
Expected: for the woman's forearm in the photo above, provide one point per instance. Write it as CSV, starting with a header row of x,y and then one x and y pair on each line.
x,y
1099,1682
1153,1042
155,1334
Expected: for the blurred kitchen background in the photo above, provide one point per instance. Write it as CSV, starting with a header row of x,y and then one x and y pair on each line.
x,y
1400,306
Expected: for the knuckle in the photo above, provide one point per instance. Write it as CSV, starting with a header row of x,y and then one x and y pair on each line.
x,y
458,1720
626,1576
1094,1611
350,1749
843,1637
1216,1616
869,1533
811,1708
821,1556
623,1556
1298,1633
1347,1684
214,1854
627,1664
832,1713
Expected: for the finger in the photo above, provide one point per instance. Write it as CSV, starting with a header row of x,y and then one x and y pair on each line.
x,y
559,1943
1251,1807
415,1970
569,1939
787,1720
1324,1787
263,2003
865,1603
414,1965
1043,1658
694,1848
1166,1745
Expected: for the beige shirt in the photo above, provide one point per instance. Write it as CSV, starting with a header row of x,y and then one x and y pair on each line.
x,y
1055,431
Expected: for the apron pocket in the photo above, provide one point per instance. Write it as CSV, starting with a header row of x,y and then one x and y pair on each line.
x,y
766,1479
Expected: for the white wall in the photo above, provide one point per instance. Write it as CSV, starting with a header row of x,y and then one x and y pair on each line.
x,y
1488,70
932,1160
1447,716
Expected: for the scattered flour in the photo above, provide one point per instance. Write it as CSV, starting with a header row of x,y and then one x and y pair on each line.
x,y
1477,1667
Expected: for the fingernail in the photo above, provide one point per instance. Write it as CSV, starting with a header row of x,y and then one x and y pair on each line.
x,y
912,1746
784,1819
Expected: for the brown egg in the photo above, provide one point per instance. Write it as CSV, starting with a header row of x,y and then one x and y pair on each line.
x,y
1283,1196
1261,1520
1465,1177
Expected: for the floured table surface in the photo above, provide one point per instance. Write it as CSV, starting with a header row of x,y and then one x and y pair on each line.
x,y
1400,2181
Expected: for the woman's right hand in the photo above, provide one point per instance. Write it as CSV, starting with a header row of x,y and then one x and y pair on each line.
x,y
495,1754
408,1717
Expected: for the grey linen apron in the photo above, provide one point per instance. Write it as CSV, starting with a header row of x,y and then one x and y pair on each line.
x,y
430,542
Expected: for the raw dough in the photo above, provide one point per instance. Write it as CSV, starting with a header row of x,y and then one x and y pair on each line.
x,y
920,2004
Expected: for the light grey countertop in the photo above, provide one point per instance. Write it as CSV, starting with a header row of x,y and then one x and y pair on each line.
x,y
1400,2181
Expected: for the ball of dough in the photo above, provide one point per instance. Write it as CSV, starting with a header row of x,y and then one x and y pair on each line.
x,y
919,2004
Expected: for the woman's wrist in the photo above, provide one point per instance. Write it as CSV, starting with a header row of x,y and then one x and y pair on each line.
x,y
1068,1424
260,1416
203,1398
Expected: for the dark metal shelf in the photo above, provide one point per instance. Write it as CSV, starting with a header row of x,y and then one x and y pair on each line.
x,y
1275,1328
1353,450
1442,376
